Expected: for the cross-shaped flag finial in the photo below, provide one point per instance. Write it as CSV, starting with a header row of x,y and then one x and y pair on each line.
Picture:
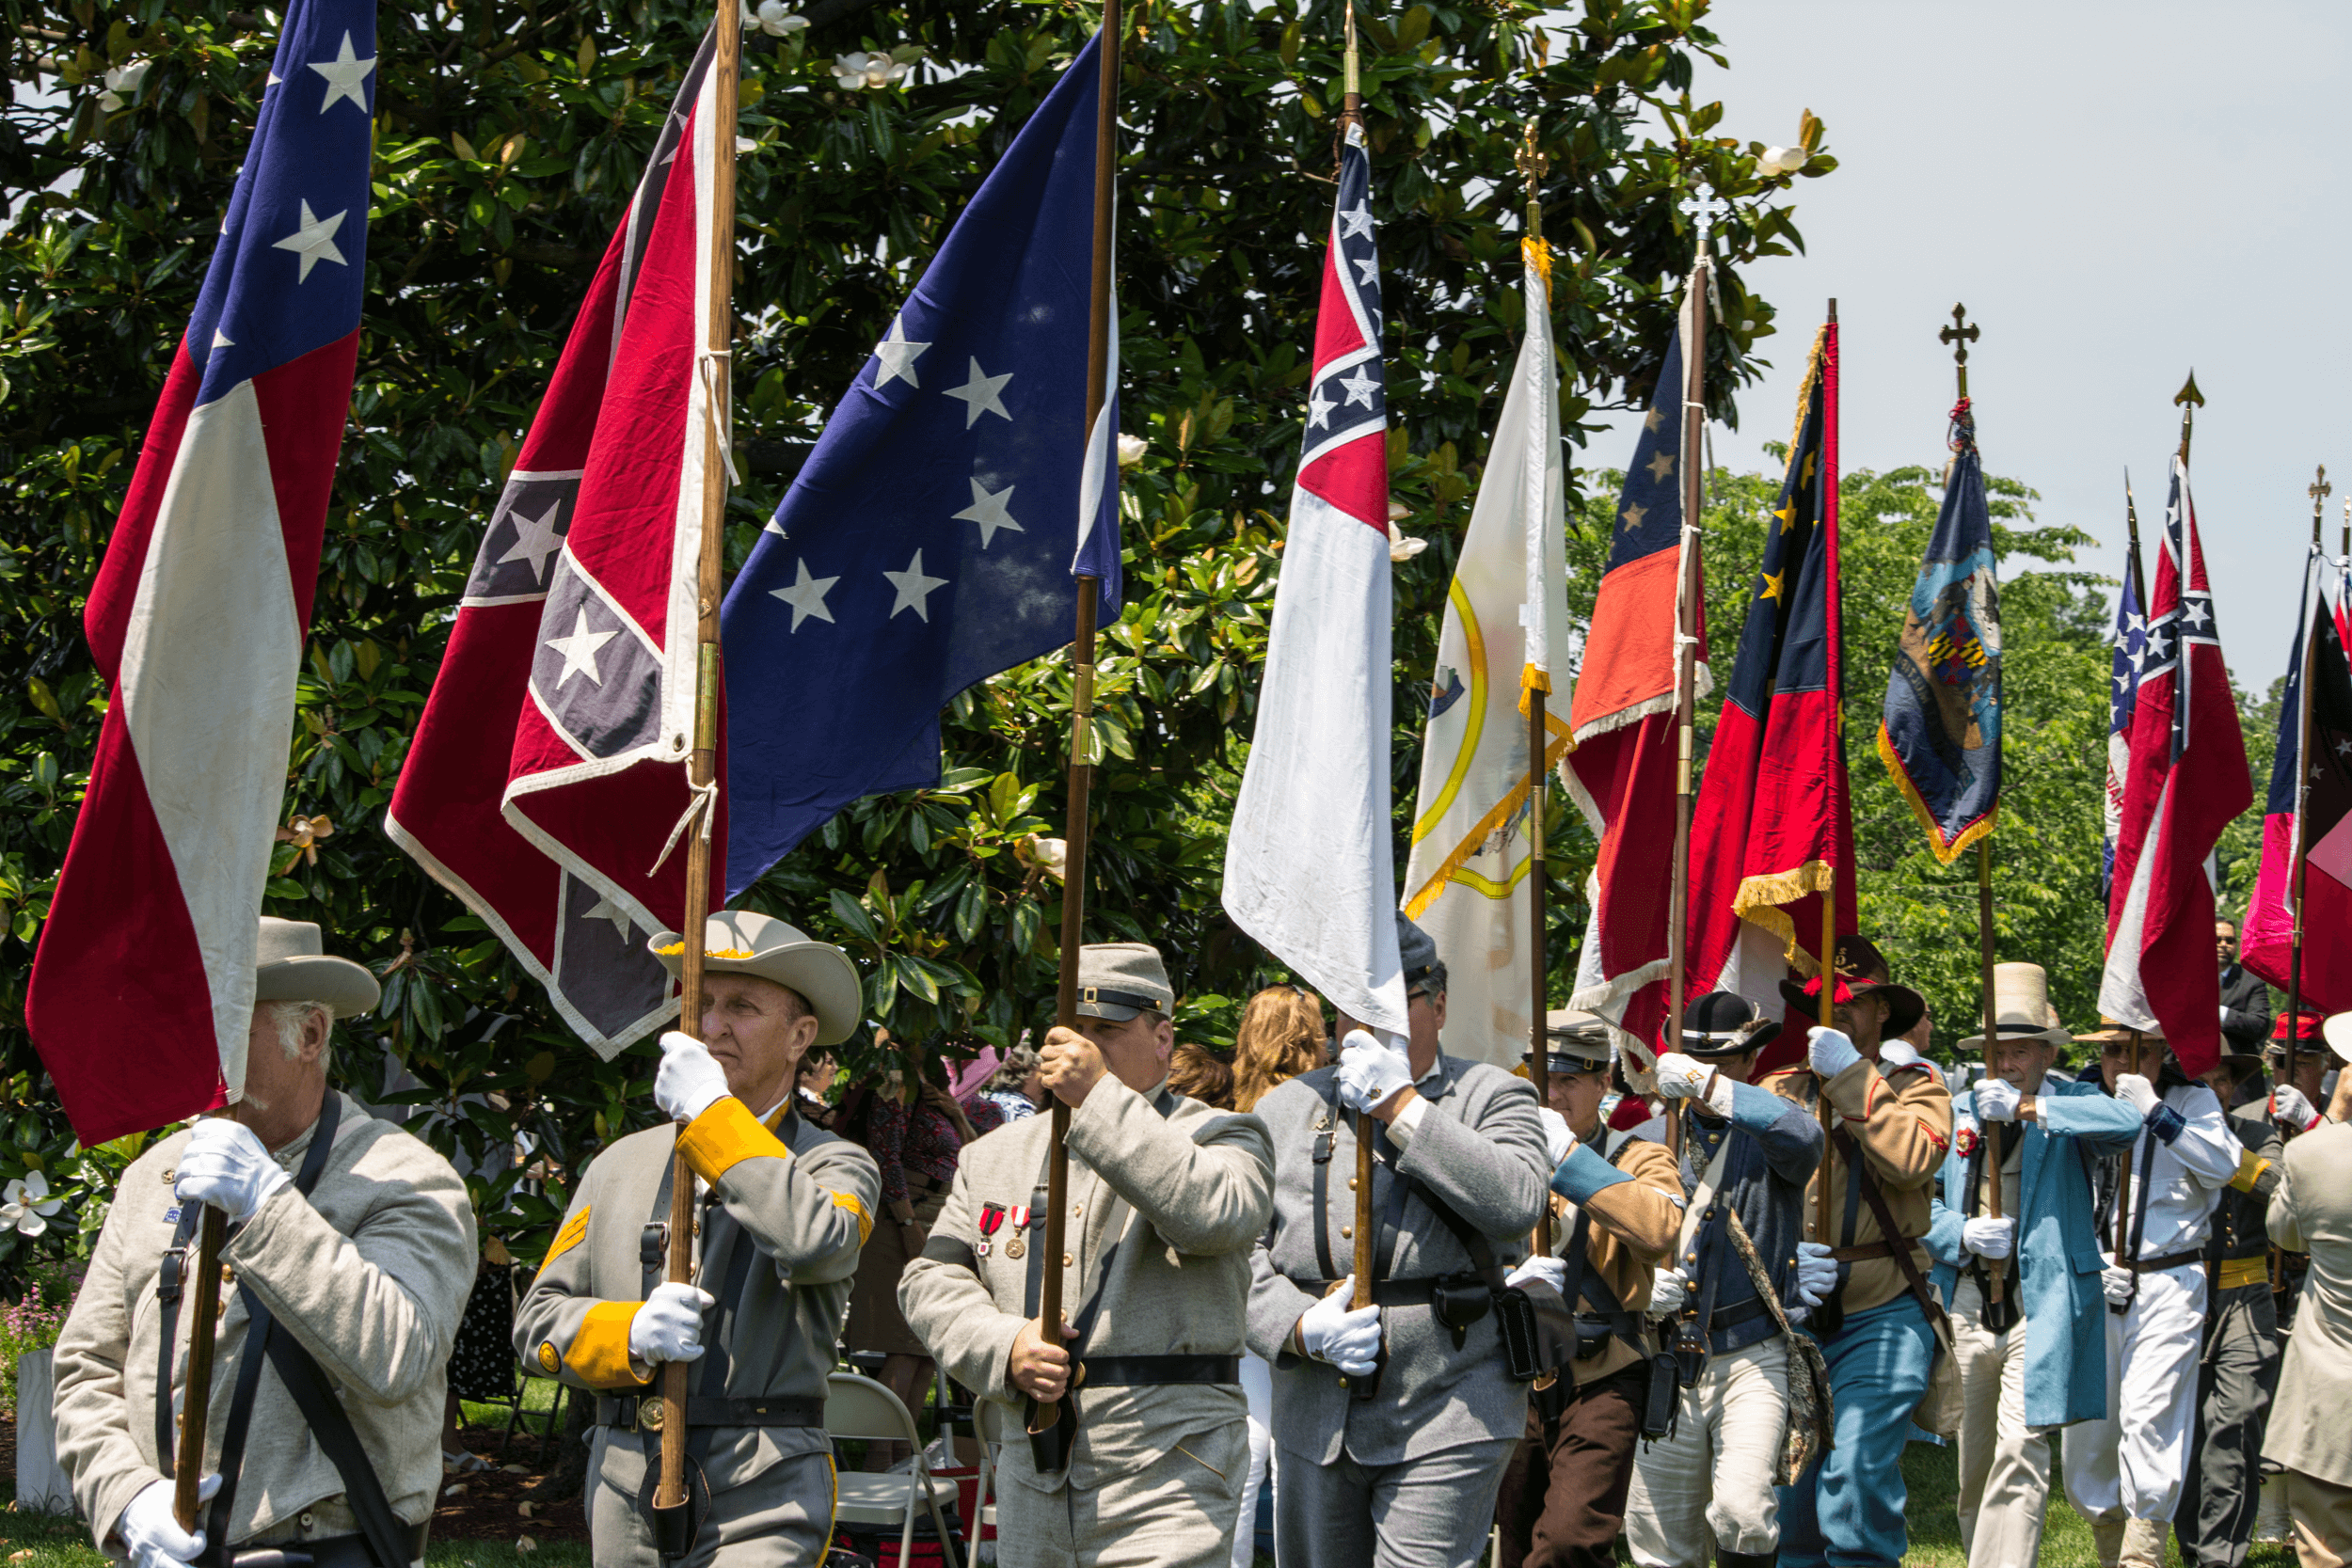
x,y
1704,207
1959,335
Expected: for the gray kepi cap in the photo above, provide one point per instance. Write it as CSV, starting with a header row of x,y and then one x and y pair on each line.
x,y
1576,1042
1119,979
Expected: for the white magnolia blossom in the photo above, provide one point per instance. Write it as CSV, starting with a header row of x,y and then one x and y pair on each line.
x,y
122,86
1403,547
772,18
28,1205
1131,450
858,69
1782,160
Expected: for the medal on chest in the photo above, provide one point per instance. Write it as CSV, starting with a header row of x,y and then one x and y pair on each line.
x,y
1019,1215
991,1218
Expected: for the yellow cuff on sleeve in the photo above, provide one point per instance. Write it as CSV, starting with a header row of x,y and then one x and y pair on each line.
x,y
865,1221
723,1137
2250,1166
599,1355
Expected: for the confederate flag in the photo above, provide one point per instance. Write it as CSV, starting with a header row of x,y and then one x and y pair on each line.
x,y
2188,779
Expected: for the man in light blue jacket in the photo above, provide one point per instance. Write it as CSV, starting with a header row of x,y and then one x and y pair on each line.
x,y
2036,1357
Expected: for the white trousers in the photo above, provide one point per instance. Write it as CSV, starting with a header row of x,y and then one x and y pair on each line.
x,y
2131,1466
2004,1466
1709,1487
1257,1386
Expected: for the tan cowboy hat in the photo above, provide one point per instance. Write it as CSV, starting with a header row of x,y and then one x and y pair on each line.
x,y
738,942
291,964
2020,1007
2115,1031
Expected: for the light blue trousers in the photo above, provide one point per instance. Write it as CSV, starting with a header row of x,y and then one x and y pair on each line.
x,y
1847,1512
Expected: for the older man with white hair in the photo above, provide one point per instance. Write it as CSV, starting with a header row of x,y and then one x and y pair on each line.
x,y
351,1248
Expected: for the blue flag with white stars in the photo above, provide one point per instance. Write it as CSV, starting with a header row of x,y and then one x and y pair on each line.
x,y
2131,655
937,533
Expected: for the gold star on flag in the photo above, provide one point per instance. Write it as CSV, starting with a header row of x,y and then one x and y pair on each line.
x,y
1630,518
1655,421
1772,586
1787,516
1661,466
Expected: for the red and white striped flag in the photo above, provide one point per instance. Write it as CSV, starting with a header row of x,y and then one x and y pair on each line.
x,y
2188,781
141,995
1309,868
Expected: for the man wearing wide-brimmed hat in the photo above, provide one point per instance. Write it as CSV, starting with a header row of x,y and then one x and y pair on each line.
x,y
785,1209
2036,1361
351,1252
1747,1153
1167,1197
1890,1129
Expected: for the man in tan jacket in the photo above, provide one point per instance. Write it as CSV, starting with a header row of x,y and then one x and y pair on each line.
x,y
351,1249
1167,1197
1616,1206
1892,1128
783,1211
2311,1213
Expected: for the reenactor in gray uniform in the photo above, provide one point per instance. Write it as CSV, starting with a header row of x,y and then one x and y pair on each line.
x,y
1406,1475
349,1257
2238,1370
783,1211
1165,1198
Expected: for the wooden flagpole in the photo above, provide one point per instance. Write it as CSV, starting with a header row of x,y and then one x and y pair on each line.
x,y
1531,166
1050,1437
196,1394
1826,1008
2319,492
702,763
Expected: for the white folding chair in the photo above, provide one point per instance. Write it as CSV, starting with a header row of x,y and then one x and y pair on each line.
x,y
984,1421
858,1406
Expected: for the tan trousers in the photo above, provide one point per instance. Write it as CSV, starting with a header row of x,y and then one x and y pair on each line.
x,y
2004,1466
2323,1519
1709,1486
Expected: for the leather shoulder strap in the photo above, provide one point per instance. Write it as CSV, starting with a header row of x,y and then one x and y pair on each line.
x,y
1898,1244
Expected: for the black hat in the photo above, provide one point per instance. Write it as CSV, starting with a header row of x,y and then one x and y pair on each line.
x,y
1861,970
1724,1023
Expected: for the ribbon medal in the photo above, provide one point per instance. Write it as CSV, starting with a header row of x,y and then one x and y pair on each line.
x,y
992,1216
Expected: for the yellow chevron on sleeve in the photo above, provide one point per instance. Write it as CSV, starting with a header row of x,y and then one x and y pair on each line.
x,y
598,1354
2250,1166
865,1221
723,1137
573,1232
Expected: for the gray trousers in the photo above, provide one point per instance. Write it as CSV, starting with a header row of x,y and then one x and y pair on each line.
x,y
1179,1508
1434,1511
780,1518
2235,1379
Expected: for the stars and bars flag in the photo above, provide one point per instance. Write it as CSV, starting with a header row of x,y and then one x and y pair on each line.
x,y
1773,823
1621,770
2187,780
141,994
1309,870
1940,735
2320,816
546,784
936,534
2131,655
1505,633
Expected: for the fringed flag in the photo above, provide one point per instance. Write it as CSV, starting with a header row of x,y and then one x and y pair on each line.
x,y
1774,824
547,785
141,994
1309,870
1505,624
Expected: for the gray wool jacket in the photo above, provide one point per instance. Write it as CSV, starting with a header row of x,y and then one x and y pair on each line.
x,y
1481,1148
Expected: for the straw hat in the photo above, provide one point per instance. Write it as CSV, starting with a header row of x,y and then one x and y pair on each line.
x,y
291,964
2337,1032
2020,1007
2112,1030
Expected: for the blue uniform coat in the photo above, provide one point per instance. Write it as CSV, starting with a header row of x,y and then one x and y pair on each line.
x,y
2058,1242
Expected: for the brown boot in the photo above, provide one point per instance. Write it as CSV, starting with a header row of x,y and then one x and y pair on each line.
x,y
2143,1543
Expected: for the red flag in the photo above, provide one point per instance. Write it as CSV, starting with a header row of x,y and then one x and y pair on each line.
x,y
2188,780
1773,823
547,785
1621,771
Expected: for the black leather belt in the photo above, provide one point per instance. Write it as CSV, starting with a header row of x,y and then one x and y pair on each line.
x,y
1731,1316
643,1412
1385,1293
2169,1260
1111,1371
333,1551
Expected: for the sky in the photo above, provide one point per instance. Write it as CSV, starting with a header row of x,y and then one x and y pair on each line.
x,y
2119,192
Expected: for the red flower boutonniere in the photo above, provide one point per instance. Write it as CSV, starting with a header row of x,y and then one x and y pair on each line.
x,y
1965,1141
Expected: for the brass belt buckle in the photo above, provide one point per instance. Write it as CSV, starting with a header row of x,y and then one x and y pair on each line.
x,y
649,1414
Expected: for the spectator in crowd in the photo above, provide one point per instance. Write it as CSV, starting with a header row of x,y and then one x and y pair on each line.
x,y
1199,1073
813,1086
2245,996
1014,1090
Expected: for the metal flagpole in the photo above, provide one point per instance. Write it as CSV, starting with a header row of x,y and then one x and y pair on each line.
x,y
1051,1437
670,1502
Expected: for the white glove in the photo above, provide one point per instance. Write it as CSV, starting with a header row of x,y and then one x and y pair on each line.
x,y
1369,1072
2136,1092
224,1165
1988,1237
2290,1108
1667,1287
2116,1282
1830,1051
1681,1077
151,1531
1551,1271
1816,1272
1998,1099
1558,1140
689,1079
669,1327
2225,1012
1350,1341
